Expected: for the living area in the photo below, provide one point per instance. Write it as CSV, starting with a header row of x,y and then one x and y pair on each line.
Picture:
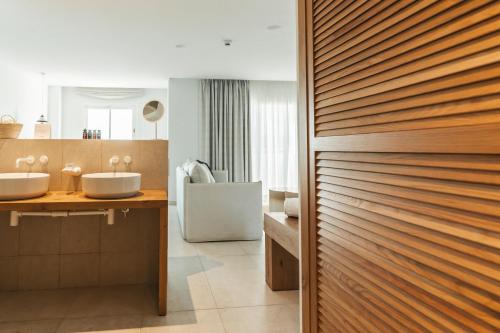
x,y
234,132
234,159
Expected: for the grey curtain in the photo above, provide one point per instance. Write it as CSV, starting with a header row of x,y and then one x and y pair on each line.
x,y
225,108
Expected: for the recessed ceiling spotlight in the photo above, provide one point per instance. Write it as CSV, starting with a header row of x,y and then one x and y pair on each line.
x,y
180,46
273,27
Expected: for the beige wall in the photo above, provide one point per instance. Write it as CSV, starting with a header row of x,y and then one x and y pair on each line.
x,y
80,251
149,157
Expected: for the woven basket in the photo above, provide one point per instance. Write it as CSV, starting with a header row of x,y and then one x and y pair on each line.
x,y
9,129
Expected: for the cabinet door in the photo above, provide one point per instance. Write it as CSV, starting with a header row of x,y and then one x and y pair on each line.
x,y
400,165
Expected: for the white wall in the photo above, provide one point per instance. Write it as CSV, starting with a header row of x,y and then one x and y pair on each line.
x,y
54,105
73,112
184,126
21,96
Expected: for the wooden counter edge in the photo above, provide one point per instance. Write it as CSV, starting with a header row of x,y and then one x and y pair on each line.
x,y
63,200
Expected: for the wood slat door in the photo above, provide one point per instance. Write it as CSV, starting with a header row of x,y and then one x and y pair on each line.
x,y
400,165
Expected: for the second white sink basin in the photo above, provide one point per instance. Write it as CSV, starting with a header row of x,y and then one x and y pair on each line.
x,y
111,185
25,185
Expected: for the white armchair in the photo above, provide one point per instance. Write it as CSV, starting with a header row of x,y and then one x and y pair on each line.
x,y
219,211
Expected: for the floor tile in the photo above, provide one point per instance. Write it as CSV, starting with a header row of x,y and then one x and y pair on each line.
x,y
200,321
173,219
109,301
253,247
262,319
150,302
111,324
240,281
188,287
35,305
177,247
39,326
219,249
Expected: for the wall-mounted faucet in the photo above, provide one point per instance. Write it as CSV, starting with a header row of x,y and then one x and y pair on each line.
x,y
29,160
72,170
113,161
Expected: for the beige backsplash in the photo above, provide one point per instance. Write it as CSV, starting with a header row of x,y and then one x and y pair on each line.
x,y
149,157
47,253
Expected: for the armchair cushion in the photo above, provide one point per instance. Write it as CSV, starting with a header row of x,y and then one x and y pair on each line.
x,y
221,176
200,173
206,164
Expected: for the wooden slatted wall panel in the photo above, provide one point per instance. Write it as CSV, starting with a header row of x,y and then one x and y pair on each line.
x,y
401,74
406,236
404,133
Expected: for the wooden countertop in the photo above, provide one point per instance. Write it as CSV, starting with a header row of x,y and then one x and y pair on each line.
x,y
63,200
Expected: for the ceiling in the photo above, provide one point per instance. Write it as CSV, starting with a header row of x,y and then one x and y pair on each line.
x,y
132,43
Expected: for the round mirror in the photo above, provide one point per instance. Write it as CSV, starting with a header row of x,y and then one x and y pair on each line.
x,y
153,111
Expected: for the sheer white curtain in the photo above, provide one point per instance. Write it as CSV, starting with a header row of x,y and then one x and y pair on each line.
x,y
273,128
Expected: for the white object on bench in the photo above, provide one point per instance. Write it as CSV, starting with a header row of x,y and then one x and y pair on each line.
x,y
291,207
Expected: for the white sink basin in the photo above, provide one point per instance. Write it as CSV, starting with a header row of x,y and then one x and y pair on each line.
x,y
111,185
14,186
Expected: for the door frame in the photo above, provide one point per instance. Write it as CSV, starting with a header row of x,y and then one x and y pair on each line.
x,y
305,108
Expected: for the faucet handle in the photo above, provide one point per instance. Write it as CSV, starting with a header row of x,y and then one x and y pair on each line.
x,y
114,160
127,160
44,160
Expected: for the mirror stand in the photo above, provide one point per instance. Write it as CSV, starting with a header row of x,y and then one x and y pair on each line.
x,y
153,111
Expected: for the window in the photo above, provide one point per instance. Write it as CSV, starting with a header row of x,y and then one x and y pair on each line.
x,y
98,119
273,113
121,124
114,123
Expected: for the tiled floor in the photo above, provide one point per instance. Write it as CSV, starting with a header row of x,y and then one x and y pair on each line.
x,y
213,287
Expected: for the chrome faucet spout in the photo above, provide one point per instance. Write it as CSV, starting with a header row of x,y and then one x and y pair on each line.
x,y
29,160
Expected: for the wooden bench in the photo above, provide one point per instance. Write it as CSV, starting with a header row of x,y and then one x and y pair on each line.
x,y
282,251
